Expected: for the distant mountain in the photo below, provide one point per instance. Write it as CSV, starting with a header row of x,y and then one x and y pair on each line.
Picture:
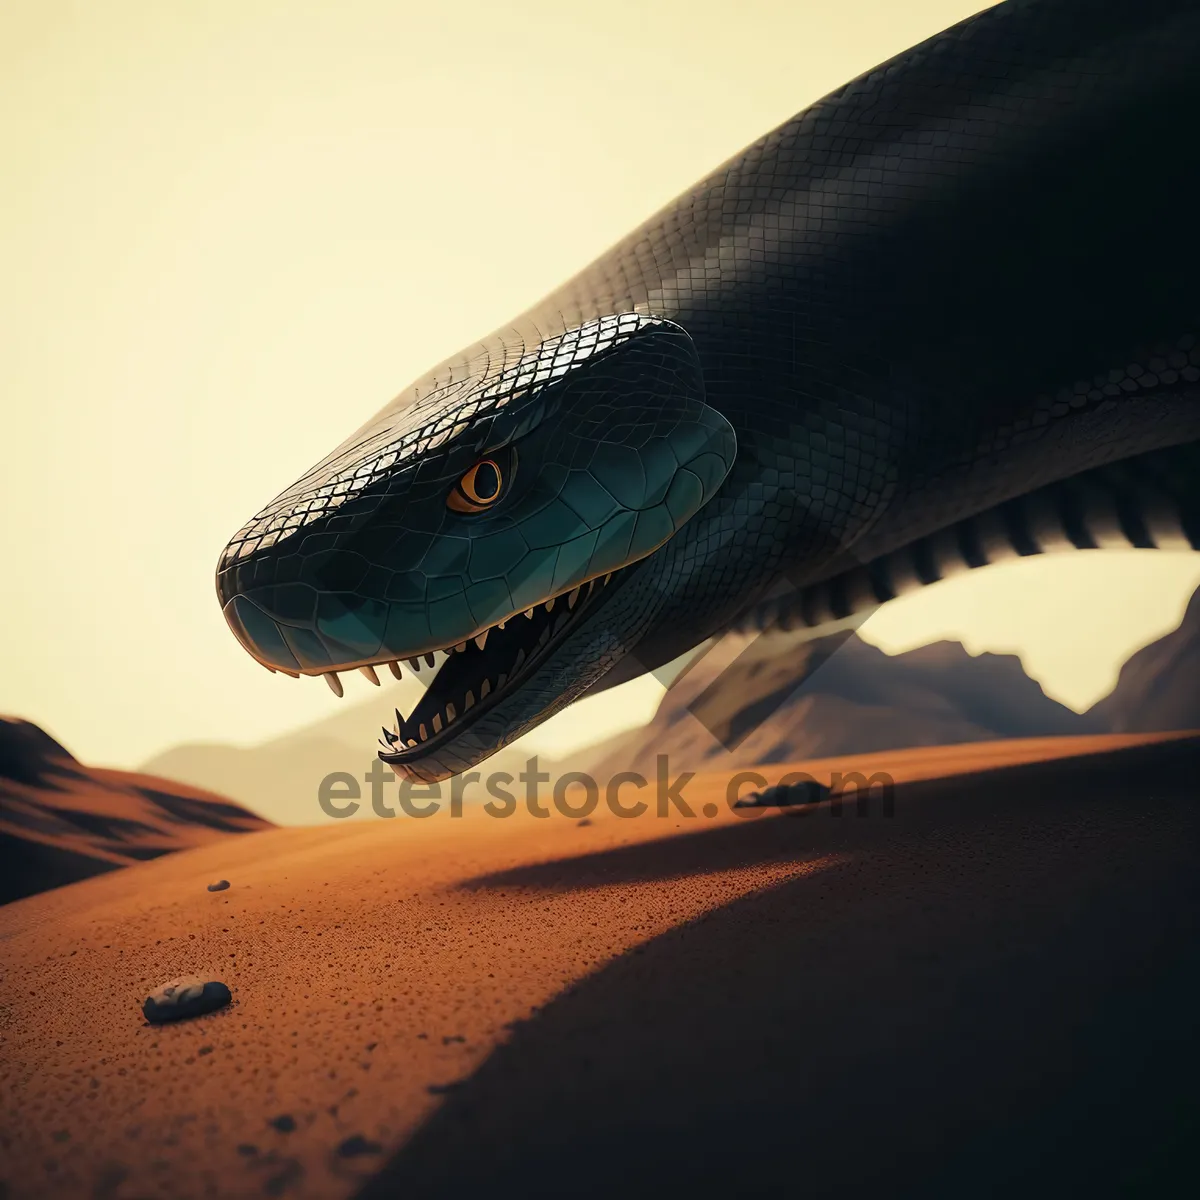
x,y
1159,686
61,821
281,778
780,698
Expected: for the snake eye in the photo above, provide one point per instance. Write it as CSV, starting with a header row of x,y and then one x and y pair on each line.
x,y
478,489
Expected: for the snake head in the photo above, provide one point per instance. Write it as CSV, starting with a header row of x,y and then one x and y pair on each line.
x,y
491,512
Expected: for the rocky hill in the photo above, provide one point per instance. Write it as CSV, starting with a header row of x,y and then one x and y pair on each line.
x,y
61,821
1159,686
781,699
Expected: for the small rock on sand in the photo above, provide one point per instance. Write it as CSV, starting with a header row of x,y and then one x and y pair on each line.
x,y
358,1145
784,796
189,996
218,885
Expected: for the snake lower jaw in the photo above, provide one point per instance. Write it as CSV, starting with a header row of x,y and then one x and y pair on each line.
x,y
478,673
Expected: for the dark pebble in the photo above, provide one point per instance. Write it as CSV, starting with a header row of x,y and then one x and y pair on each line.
x,y
285,1123
188,996
219,886
805,792
352,1147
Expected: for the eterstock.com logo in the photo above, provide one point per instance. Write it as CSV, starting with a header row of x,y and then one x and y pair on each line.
x,y
577,795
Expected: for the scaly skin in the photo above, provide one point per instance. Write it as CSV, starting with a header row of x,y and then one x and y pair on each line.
x,y
964,278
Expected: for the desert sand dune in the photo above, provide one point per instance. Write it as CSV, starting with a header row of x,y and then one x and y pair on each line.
x,y
991,990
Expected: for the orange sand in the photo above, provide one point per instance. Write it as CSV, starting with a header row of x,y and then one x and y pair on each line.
x,y
376,966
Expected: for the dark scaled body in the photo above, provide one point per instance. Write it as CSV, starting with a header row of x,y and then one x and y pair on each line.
x,y
968,277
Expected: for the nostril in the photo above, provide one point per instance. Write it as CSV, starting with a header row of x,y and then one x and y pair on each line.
x,y
259,633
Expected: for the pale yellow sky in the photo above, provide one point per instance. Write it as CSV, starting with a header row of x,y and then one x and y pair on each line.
x,y
231,231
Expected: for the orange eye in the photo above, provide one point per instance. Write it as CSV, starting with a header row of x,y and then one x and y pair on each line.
x,y
478,489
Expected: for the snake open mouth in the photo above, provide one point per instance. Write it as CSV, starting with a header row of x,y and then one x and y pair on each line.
x,y
476,673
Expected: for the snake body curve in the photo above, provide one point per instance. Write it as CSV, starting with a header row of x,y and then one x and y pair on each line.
x,y
945,315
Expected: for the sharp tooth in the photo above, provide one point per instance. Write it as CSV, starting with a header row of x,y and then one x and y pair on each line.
x,y
550,604
335,684
450,713
430,660
415,663
391,737
502,623
411,742
520,660
529,611
369,672
394,667
421,733
608,577
484,688
399,722
545,636
481,640
437,722
573,598
501,681
470,700
562,620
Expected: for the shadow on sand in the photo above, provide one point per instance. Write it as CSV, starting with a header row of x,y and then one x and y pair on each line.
x,y
992,992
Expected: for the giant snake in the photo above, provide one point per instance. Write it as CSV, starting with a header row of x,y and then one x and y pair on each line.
x,y
946,315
